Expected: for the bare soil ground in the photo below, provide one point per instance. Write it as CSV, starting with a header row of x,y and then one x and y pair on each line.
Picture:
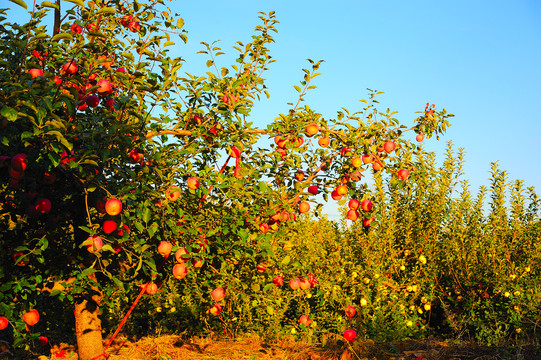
x,y
172,347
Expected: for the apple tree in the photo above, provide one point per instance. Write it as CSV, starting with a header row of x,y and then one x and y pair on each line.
x,y
112,160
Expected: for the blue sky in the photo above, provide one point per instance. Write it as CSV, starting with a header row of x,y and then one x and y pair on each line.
x,y
481,60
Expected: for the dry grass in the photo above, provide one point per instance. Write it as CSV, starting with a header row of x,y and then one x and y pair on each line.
x,y
174,347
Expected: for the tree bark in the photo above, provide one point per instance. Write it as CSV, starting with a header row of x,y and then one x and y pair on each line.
x,y
88,328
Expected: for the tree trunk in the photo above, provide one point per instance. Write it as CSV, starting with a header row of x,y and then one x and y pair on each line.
x,y
88,328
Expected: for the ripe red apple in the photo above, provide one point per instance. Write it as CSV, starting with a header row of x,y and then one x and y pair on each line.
x,y
278,280
96,243
3,323
367,221
305,284
350,311
420,137
70,67
49,178
182,255
113,206
281,140
76,28
218,294
109,226
152,288
299,175
164,248
43,340
31,317
366,205
324,141
92,101
105,87
216,310
341,190
353,204
261,268
19,162
356,162
35,73
304,207
389,146
197,263
172,194
367,158
377,165
352,215
193,183
135,156
403,174
305,320
312,129
134,26
263,227
43,205
335,195
350,335
312,189
294,283
180,271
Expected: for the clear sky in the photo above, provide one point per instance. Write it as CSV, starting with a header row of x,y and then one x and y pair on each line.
x,y
481,60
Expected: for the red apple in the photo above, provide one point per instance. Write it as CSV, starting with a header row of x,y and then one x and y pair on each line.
x,y
105,87
113,206
43,340
367,159
305,320
235,152
109,226
31,317
350,311
92,101
389,146
17,175
295,283
43,205
35,73
164,248
180,271
403,174
70,67
335,195
197,263
278,280
299,175
218,294
312,189
263,227
377,165
420,137
3,323
305,284
350,335
261,268
367,221
353,204
352,215
366,205
19,162
356,162
216,310
341,190
346,151
304,207
96,243
312,129
172,194
193,183
152,288
281,140
76,28
134,26
324,141
182,255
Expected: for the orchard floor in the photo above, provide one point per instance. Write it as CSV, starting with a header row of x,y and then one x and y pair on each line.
x,y
171,347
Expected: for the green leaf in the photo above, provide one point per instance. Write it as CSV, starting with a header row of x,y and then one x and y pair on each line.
x,y
77,2
146,215
9,113
286,260
49,5
62,36
128,56
20,3
106,10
